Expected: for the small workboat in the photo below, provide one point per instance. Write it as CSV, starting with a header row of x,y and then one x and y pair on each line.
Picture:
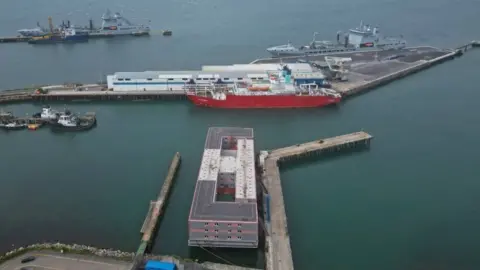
x,y
69,122
33,126
15,126
47,113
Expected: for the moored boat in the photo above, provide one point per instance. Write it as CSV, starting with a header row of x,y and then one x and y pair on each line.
x,y
70,122
34,126
47,113
14,126
280,91
67,35
361,38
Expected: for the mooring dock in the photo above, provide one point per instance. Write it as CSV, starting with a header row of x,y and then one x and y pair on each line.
x,y
278,253
156,209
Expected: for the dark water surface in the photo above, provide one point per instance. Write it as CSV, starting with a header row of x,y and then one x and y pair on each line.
x,y
409,203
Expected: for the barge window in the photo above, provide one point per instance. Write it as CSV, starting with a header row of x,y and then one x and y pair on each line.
x,y
170,79
127,79
149,79
120,79
184,79
253,78
239,78
205,79
226,79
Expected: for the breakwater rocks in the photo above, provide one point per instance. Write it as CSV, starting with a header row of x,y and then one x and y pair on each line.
x,y
73,248
112,254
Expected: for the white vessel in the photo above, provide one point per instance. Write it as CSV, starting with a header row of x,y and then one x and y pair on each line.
x,y
67,119
15,125
48,113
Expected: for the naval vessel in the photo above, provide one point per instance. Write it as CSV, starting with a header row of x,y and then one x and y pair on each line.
x,y
363,38
112,25
115,24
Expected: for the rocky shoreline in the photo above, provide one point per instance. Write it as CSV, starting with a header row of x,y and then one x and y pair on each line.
x,y
66,248
108,253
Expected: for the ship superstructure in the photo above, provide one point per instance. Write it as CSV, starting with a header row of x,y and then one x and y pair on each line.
x,y
364,37
116,24
224,206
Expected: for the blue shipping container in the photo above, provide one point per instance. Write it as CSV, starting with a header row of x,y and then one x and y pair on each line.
x,y
158,265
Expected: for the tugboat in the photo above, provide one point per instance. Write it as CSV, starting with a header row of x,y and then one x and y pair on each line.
x,y
69,122
47,114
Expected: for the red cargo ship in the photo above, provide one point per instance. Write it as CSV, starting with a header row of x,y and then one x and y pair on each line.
x,y
273,93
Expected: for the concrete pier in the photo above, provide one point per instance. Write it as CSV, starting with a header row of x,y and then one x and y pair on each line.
x,y
278,253
156,208
371,69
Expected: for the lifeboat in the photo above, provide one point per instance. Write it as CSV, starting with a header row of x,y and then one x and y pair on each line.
x,y
258,88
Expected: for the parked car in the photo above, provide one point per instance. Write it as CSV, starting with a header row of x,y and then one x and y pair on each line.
x,y
28,259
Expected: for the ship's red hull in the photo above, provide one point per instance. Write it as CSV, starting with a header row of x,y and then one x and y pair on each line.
x,y
265,101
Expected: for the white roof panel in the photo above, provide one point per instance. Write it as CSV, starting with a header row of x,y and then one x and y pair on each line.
x,y
210,165
227,164
245,171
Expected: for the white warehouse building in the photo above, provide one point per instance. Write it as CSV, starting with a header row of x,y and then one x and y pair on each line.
x,y
176,80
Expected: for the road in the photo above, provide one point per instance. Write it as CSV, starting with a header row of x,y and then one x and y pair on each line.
x,y
57,261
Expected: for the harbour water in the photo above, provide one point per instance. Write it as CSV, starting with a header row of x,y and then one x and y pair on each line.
x,y
408,203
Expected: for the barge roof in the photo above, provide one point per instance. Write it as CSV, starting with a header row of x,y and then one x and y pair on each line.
x,y
204,207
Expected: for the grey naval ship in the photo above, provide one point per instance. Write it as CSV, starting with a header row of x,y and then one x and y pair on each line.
x,y
361,38
112,25
116,24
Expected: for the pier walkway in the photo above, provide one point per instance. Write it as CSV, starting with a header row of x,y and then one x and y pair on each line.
x,y
155,211
278,253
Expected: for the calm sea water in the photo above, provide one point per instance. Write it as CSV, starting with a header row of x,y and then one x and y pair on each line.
x,y
408,203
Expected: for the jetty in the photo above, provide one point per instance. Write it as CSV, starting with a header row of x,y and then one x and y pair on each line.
x,y
278,253
14,39
363,71
155,211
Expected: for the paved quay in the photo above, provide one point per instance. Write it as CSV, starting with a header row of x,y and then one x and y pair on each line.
x,y
278,252
374,68
46,260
